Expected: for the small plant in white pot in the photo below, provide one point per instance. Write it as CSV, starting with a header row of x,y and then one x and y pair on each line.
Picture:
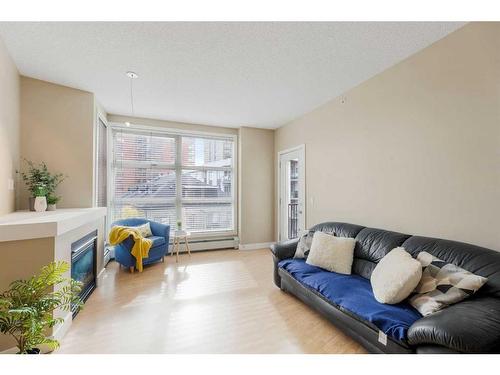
x,y
40,204
52,202
37,175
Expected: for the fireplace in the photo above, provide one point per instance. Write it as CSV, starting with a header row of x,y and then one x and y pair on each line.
x,y
83,265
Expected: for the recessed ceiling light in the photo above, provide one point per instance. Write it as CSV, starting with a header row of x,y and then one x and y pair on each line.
x,y
132,75
127,124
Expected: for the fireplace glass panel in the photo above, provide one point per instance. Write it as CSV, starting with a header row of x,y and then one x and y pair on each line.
x,y
83,264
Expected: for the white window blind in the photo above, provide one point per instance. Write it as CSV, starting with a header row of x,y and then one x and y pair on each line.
x,y
165,177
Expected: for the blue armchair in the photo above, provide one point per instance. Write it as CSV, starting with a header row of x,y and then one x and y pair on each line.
x,y
157,252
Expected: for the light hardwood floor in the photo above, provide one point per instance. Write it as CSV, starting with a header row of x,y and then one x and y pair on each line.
x,y
213,302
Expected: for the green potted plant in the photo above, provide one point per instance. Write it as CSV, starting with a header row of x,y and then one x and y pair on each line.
x,y
38,175
51,202
26,308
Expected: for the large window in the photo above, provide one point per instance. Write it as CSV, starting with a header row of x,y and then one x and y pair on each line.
x,y
169,177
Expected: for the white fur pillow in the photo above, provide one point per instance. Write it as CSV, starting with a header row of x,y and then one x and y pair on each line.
x,y
395,276
144,230
334,254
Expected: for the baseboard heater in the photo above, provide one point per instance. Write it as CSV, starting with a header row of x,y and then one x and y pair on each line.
x,y
200,244
195,244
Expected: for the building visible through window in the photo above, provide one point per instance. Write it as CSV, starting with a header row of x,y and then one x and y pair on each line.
x,y
146,175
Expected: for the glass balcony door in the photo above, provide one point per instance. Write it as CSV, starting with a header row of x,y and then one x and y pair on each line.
x,y
292,193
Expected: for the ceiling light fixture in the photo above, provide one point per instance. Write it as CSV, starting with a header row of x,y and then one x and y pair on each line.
x,y
131,75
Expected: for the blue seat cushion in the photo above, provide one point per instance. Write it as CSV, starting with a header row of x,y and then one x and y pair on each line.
x,y
354,294
157,240
155,254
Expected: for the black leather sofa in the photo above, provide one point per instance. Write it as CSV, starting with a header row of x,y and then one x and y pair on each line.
x,y
470,326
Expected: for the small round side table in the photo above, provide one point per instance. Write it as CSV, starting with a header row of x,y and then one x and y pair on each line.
x,y
179,235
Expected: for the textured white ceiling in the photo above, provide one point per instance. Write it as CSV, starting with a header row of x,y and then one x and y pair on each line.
x,y
226,74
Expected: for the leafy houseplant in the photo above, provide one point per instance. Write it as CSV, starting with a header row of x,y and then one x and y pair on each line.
x,y
41,190
38,175
52,199
51,202
26,309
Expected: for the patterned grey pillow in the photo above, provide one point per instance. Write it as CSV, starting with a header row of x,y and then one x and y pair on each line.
x,y
442,284
304,245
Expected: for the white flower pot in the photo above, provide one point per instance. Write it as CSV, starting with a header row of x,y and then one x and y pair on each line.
x,y
40,204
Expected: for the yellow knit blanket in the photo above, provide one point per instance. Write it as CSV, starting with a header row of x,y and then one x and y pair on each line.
x,y
141,246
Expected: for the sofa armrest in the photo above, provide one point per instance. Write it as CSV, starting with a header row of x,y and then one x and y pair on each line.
x,y
470,326
285,249
160,230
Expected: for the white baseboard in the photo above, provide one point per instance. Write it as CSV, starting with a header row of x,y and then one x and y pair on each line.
x,y
100,276
62,328
255,246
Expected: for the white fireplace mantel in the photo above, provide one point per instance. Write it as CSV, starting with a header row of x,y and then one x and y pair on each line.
x,y
22,225
31,240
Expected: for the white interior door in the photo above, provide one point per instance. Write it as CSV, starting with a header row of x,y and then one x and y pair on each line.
x,y
292,193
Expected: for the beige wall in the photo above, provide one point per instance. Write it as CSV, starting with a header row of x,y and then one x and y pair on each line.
x,y
22,264
415,149
9,129
57,125
256,185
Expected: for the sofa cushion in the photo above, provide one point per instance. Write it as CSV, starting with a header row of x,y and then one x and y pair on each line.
x,y
363,267
338,229
157,240
471,326
373,244
478,260
353,294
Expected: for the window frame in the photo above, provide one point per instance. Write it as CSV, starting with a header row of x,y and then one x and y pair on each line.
x,y
177,166
100,117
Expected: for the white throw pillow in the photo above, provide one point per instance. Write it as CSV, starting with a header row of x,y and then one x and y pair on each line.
x,y
395,276
144,230
334,254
